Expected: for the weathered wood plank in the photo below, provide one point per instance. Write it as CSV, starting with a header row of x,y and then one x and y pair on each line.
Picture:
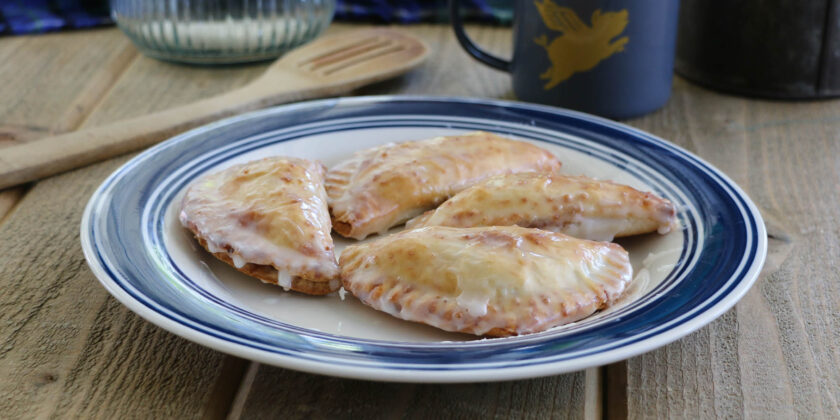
x,y
52,81
775,354
72,349
95,90
8,199
283,393
685,388
449,71
151,85
67,343
615,391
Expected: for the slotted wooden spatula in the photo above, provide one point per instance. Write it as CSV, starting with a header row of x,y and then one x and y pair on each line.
x,y
326,67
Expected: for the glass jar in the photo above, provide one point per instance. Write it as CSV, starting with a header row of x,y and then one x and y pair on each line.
x,y
220,31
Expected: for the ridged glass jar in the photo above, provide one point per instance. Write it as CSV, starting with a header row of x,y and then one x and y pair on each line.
x,y
220,31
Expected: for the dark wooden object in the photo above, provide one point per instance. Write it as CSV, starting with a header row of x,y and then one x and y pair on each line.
x,y
770,48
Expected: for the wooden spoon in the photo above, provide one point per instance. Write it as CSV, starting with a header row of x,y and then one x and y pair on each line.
x,y
325,67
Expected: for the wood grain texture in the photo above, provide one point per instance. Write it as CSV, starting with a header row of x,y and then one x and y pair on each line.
x,y
68,349
148,85
281,393
50,82
329,66
53,83
775,354
449,71
8,199
73,350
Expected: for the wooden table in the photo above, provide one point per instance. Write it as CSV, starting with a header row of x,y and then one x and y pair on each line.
x,y
68,349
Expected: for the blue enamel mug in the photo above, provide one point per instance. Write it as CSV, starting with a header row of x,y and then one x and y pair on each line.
x,y
613,58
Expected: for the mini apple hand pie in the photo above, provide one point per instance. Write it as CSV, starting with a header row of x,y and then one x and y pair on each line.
x,y
494,281
577,206
384,186
269,219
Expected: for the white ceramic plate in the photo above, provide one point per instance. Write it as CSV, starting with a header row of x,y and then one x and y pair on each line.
x,y
683,280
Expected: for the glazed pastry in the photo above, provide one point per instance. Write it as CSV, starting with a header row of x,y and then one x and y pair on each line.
x,y
493,281
577,206
269,219
382,187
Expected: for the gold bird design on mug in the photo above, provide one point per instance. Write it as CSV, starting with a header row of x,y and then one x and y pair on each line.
x,y
580,47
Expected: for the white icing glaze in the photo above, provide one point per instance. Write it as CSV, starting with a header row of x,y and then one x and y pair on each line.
x,y
475,304
211,246
577,206
265,212
486,277
284,280
381,187
594,228
238,261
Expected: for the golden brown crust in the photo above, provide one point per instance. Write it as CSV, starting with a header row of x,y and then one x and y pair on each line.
x,y
268,274
574,205
379,188
343,228
493,281
269,219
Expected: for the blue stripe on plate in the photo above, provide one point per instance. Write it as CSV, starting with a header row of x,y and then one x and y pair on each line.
x,y
172,185
726,263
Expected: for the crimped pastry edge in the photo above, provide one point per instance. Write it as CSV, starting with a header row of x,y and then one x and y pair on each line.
x,y
311,283
340,176
658,206
405,300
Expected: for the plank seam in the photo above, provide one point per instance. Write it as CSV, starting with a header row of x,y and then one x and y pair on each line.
x,y
614,391
121,64
22,191
122,61
241,397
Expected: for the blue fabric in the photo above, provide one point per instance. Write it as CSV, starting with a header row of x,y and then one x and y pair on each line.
x,y
411,11
37,16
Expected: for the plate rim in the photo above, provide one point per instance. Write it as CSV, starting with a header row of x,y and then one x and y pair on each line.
x,y
417,375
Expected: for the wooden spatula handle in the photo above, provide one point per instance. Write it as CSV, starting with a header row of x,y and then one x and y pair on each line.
x,y
52,155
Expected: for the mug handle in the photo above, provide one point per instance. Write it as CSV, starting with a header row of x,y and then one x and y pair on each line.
x,y
469,46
